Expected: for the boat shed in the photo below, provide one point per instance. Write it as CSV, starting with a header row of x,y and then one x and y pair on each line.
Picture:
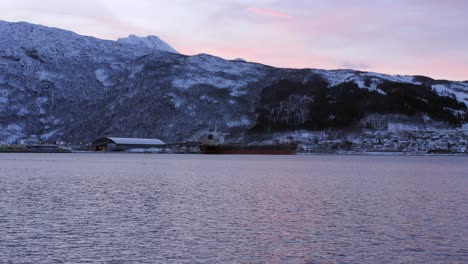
x,y
124,144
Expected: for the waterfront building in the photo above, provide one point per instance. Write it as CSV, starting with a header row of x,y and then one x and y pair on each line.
x,y
111,144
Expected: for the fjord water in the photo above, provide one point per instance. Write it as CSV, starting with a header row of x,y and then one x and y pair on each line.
x,y
120,208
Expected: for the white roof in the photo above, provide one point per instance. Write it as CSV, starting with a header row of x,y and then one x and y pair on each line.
x,y
136,141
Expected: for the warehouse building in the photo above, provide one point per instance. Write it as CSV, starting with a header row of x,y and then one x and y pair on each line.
x,y
124,144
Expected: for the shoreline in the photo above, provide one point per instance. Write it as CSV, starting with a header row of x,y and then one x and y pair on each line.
x,y
298,154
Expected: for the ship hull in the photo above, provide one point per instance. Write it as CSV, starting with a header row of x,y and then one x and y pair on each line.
x,y
236,149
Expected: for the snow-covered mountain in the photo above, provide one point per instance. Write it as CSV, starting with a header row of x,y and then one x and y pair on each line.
x,y
55,84
151,42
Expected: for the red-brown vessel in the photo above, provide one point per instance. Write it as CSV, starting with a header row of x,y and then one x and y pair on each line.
x,y
214,144
254,149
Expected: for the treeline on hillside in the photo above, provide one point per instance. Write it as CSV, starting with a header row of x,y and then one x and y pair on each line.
x,y
290,105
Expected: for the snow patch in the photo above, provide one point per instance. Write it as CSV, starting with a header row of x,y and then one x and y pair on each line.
x,y
336,77
396,127
23,112
47,136
46,76
373,85
391,78
459,93
373,88
135,71
209,99
238,93
11,133
41,100
150,42
14,127
117,65
214,64
50,120
103,77
175,100
465,127
215,81
239,123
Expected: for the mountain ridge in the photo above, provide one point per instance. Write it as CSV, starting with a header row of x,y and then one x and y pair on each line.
x,y
151,42
58,85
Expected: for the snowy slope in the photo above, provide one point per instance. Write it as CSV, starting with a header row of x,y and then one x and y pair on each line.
x,y
55,84
370,81
57,43
151,42
456,90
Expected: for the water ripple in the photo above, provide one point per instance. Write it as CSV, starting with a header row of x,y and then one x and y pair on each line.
x,y
95,208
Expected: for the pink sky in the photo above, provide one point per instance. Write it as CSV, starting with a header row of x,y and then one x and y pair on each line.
x,y
426,37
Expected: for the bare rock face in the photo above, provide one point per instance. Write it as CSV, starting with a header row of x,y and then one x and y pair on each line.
x,y
57,85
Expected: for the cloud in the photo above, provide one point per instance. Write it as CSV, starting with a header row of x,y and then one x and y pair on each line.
x,y
268,12
392,36
356,66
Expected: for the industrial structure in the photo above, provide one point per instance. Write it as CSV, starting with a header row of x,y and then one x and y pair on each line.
x,y
111,144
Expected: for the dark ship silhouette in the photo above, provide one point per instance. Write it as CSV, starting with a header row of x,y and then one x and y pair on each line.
x,y
214,144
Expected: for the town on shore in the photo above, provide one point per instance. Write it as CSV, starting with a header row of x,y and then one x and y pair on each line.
x,y
408,141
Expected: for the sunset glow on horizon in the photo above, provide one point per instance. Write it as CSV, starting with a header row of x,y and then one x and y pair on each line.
x,y
414,37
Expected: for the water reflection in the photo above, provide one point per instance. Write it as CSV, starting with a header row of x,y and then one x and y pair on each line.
x,y
239,209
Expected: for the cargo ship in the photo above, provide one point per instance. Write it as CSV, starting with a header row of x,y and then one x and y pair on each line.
x,y
215,145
